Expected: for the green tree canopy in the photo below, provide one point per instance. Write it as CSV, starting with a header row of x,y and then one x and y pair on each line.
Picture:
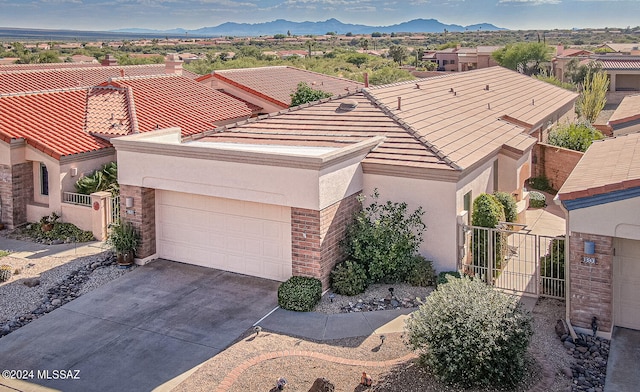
x,y
593,96
524,57
574,136
398,53
304,93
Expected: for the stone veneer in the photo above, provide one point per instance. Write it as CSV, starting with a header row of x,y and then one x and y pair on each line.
x,y
591,285
144,219
316,236
16,190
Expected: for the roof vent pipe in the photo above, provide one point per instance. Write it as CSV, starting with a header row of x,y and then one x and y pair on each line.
x,y
533,102
451,90
489,106
366,79
399,102
455,93
417,86
486,87
121,73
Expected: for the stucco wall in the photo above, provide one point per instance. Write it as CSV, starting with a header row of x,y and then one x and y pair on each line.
x,y
614,219
478,181
78,215
438,199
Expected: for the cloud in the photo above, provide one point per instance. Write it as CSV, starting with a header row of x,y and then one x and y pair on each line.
x,y
529,2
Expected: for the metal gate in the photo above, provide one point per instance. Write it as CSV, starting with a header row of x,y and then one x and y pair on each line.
x,y
514,260
113,210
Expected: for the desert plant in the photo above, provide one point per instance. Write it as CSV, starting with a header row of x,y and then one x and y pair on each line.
x,y
537,200
299,293
304,94
508,204
5,272
103,179
383,237
443,277
574,136
488,212
123,238
468,333
349,278
421,272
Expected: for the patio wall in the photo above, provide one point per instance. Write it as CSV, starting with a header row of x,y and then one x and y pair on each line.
x,y
555,163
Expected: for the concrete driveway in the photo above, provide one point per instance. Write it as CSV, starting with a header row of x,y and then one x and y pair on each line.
x,y
139,331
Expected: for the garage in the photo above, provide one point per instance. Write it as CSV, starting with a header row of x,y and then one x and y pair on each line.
x,y
626,283
232,235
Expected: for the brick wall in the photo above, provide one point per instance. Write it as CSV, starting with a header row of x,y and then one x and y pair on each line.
x,y
591,284
16,191
144,219
316,236
555,163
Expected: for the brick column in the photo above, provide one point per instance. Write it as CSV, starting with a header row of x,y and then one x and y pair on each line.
x,y
591,285
142,215
16,191
316,236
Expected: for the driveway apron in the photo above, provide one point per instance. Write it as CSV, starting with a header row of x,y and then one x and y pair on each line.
x,y
139,331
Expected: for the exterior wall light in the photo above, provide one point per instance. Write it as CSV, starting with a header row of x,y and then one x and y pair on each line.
x,y
128,202
589,247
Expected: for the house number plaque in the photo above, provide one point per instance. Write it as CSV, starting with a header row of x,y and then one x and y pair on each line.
x,y
589,260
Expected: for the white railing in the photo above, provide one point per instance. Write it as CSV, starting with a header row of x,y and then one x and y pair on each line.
x,y
77,199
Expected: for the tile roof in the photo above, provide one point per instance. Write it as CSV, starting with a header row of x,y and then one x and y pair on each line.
x,y
608,165
37,79
619,64
276,84
628,110
53,122
176,101
433,128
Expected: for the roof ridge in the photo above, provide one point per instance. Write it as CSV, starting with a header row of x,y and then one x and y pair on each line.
x,y
229,127
385,109
132,110
138,77
97,66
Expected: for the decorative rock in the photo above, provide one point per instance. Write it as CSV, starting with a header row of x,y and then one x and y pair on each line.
x,y
31,282
56,302
322,385
568,344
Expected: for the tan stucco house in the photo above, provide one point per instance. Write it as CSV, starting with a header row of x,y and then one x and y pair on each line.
x,y
271,196
602,202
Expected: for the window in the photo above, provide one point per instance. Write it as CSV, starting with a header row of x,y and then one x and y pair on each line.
x,y
453,62
466,201
44,179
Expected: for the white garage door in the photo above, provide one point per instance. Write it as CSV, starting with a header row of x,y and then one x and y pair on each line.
x,y
626,283
231,235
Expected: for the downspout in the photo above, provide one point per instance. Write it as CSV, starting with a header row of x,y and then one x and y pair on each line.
x,y
567,274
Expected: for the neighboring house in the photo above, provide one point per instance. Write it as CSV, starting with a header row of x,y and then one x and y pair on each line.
x,y
271,196
462,59
602,202
624,48
53,132
626,118
271,87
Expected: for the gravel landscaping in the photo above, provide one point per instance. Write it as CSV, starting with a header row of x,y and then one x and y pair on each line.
x,y
46,283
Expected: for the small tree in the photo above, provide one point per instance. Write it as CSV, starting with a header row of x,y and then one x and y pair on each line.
x,y
509,205
593,96
383,238
574,136
487,212
470,334
305,94
524,57
398,53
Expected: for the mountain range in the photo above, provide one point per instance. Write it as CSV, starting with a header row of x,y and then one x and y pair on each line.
x,y
281,26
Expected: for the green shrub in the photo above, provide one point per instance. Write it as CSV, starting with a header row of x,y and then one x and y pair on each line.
x,y
487,211
299,293
537,200
508,204
56,231
420,272
349,278
541,183
574,136
552,267
103,179
470,334
442,276
383,237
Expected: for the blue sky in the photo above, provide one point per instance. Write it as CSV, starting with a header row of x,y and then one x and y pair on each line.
x,y
191,14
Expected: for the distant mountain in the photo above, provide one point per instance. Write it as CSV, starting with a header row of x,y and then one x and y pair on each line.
x,y
281,26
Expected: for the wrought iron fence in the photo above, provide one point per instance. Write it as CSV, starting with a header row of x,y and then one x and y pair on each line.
x,y
76,198
113,210
514,260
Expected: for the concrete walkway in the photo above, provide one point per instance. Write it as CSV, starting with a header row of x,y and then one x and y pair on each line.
x,y
32,250
623,366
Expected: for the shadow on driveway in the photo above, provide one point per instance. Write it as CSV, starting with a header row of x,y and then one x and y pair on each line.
x,y
139,331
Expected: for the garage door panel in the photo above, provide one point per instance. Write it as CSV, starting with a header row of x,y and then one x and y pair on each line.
x,y
231,235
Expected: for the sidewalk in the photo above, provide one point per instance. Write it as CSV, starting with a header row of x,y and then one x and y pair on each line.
x,y
31,250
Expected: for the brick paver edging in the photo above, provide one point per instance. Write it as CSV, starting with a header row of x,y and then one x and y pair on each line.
x,y
541,386
228,381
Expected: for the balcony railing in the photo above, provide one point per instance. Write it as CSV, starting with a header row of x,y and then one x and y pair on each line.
x,y
77,199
